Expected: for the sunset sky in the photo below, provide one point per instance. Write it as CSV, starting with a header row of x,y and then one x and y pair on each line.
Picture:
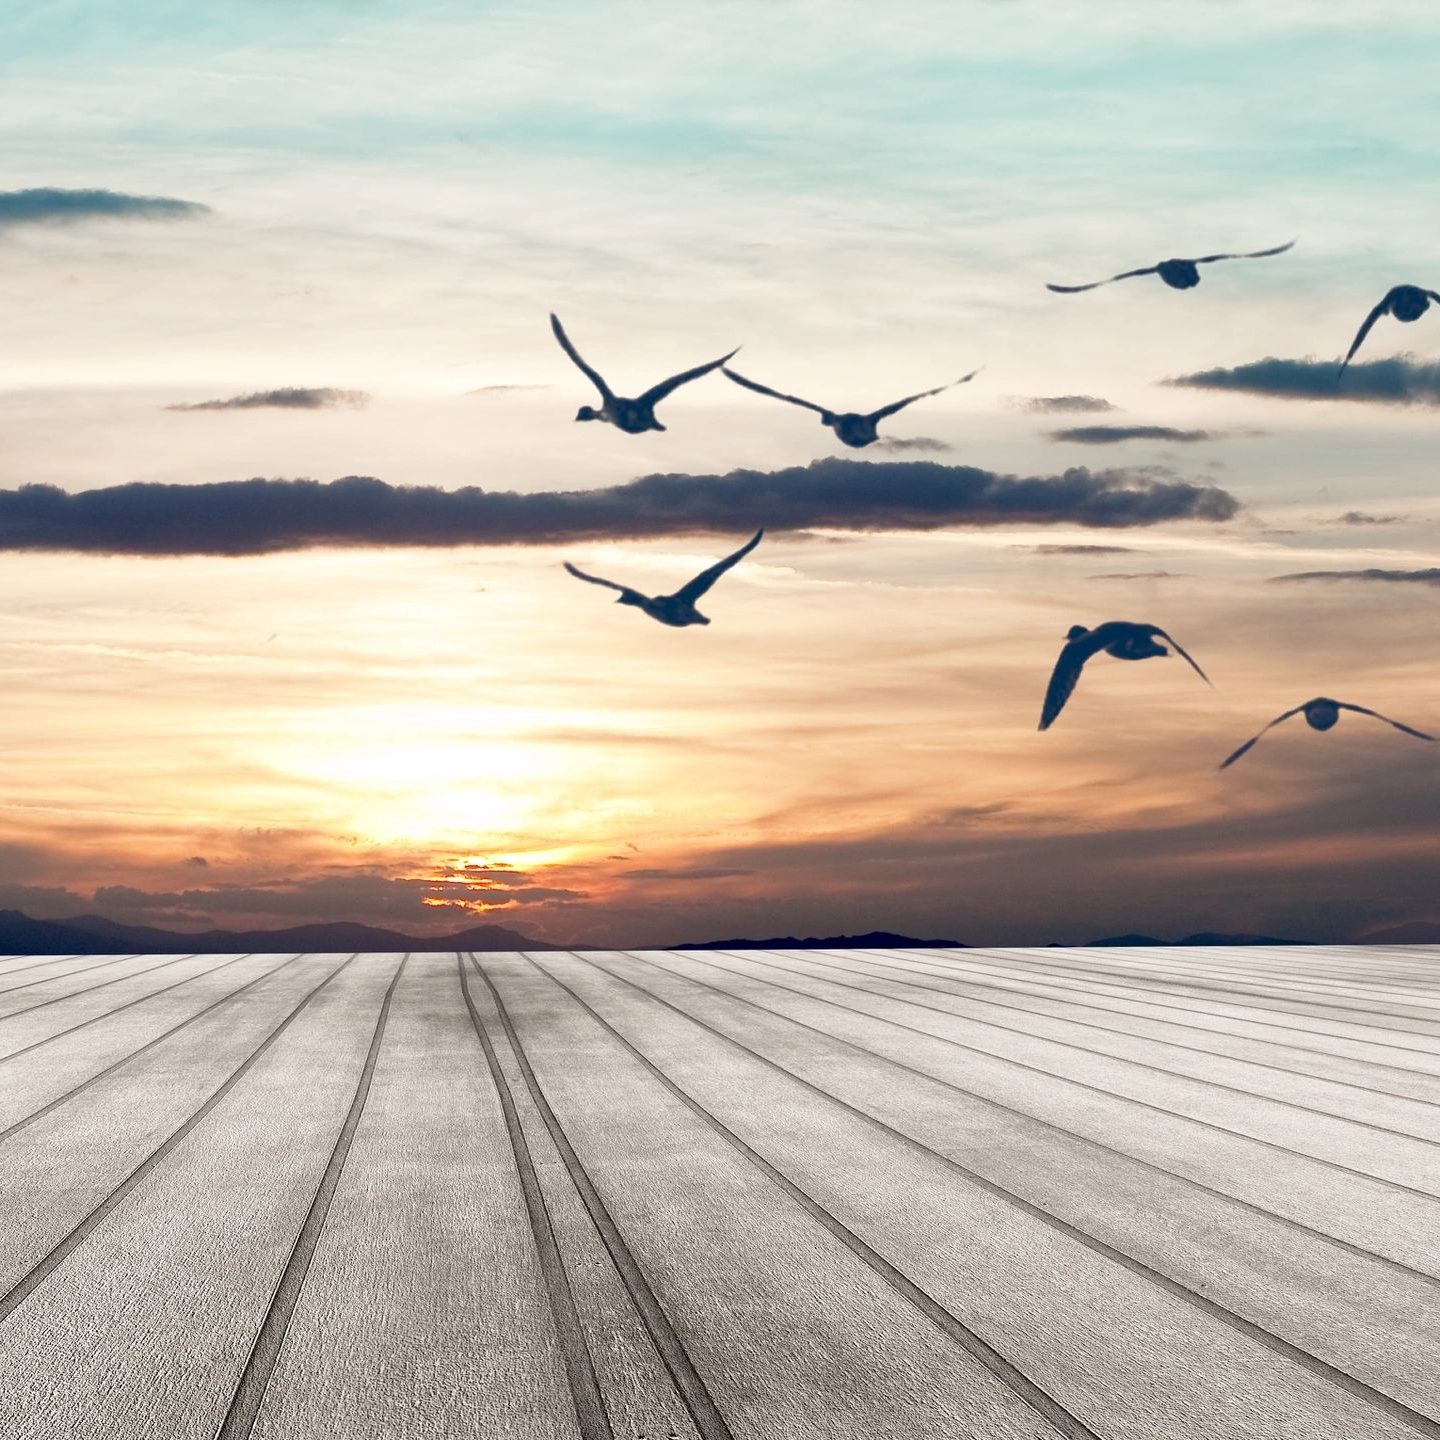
x,y
373,208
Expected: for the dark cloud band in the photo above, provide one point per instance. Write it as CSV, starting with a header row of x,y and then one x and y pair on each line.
x,y
285,399
1400,577
1115,434
69,207
1396,381
261,516
1067,405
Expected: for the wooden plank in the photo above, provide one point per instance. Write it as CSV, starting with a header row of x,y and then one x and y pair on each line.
x,y
424,1310
157,1308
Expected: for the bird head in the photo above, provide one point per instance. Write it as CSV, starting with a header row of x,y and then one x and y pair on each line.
x,y
1179,274
1322,714
627,600
587,412
1075,632
1408,302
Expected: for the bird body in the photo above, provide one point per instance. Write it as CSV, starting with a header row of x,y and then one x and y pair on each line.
x,y
633,416
851,428
1122,639
1321,713
1178,274
1406,303
678,609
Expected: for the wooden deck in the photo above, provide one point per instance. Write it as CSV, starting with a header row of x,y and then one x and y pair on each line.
x,y
659,1196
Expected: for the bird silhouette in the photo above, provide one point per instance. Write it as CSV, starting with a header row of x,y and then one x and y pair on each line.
x,y
1124,639
852,428
1320,714
635,416
677,609
1406,303
1178,274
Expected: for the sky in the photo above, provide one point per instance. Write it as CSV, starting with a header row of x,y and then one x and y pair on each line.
x,y
265,242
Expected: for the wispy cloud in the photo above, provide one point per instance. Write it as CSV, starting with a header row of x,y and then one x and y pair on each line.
x,y
1067,405
1142,575
46,206
289,398
1359,517
915,443
1115,434
1077,549
1396,381
262,516
1402,577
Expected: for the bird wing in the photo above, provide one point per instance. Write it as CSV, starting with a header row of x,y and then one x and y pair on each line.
x,y
1235,755
1361,710
593,374
1123,275
596,580
690,593
1073,655
1184,653
1247,254
656,393
760,389
1364,330
911,399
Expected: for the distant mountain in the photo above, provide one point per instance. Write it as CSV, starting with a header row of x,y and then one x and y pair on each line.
x,y
1205,937
95,935
874,940
1417,932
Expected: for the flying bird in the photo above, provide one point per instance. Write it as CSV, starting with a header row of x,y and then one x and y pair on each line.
x,y
679,608
852,428
1178,274
635,416
1123,639
1405,302
1321,714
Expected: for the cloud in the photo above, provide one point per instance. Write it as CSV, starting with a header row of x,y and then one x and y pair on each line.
x,y
198,862
498,389
698,873
1359,517
1396,381
1412,577
1067,405
915,442
1114,434
70,207
289,398
260,516
1142,575
1077,549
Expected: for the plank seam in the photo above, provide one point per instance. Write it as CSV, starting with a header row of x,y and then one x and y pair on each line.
x,y
585,1393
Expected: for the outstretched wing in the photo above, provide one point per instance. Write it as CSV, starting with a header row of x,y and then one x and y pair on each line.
x,y
1247,254
760,389
690,593
596,580
656,393
911,399
1235,755
1364,330
1123,275
574,354
1183,652
1361,710
1063,679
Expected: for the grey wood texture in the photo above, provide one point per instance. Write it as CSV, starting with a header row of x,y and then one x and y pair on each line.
x,y
661,1195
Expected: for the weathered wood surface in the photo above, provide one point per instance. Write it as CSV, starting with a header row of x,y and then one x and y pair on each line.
x,y
683,1196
